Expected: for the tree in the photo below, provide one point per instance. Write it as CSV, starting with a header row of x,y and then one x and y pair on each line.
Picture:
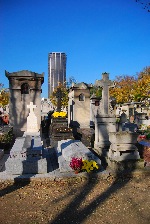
x,y
97,91
145,4
71,80
123,91
64,99
132,88
4,96
141,90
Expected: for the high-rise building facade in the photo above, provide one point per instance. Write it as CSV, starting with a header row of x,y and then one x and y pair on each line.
x,y
56,70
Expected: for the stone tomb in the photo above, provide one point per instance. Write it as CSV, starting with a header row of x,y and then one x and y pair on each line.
x,y
67,149
26,156
25,87
123,146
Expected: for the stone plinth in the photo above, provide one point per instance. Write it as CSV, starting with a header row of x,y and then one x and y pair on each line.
x,y
103,126
59,130
67,149
122,146
26,157
123,137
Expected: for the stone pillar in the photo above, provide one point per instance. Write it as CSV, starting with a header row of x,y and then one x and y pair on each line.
x,y
25,87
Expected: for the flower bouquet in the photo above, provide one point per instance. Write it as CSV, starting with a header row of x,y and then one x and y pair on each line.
x,y
76,164
57,114
89,166
80,165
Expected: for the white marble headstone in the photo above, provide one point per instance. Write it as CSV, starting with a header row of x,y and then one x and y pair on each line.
x,y
32,125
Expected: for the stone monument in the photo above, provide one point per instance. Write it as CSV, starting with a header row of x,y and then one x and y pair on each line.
x,y
32,125
59,129
25,87
79,106
27,154
105,120
79,113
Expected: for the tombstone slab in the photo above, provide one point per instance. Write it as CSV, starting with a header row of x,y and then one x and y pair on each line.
x,y
26,156
67,149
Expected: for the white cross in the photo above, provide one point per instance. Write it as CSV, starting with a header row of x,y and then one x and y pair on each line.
x,y
31,107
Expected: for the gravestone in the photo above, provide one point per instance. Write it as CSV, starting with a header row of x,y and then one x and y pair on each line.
x,y
26,156
25,87
67,149
32,125
105,121
59,129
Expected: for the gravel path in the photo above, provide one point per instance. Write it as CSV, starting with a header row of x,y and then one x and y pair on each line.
x,y
77,200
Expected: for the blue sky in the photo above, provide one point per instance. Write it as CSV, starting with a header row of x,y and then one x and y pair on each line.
x,y
97,35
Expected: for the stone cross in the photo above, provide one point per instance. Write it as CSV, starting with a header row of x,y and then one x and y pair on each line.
x,y
31,107
59,96
105,83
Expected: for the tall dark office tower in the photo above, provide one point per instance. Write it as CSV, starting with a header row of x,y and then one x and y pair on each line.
x,y
56,70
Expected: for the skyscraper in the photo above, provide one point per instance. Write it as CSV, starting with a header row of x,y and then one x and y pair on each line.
x,y
56,70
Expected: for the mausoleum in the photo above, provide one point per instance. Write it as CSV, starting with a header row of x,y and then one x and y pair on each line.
x,y
24,87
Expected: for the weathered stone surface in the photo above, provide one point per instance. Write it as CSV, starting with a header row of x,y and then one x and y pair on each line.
x,y
122,146
30,166
67,149
105,121
123,137
79,106
19,100
26,156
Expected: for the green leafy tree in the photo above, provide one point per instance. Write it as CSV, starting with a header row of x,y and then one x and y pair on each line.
x,y
97,91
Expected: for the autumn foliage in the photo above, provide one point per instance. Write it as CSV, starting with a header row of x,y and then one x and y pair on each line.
x,y
132,88
4,96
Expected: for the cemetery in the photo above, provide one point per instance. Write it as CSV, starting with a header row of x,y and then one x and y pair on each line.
x,y
58,159
87,131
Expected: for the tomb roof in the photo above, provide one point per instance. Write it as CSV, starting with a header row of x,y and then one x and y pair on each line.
x,y
24,73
